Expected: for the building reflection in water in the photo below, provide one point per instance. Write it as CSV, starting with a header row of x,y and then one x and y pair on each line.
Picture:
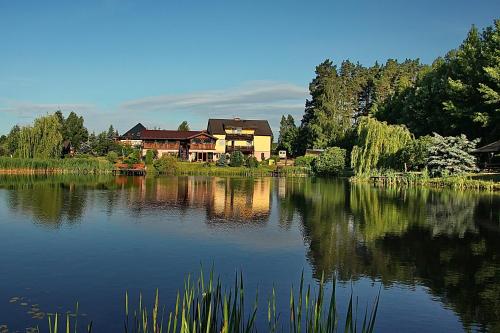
x,y
225,200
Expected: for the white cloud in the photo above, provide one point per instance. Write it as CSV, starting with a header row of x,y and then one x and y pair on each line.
x,y
261,99
253,100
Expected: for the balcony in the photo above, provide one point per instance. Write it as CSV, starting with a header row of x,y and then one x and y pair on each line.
x,y
202,146
161,146
243,149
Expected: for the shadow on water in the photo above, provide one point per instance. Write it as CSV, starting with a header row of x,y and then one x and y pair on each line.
x,y
444,240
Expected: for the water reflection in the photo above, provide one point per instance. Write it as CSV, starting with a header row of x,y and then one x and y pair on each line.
x,y
445,240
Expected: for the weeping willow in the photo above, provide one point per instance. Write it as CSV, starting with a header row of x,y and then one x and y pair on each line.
x,y
42,140
377,144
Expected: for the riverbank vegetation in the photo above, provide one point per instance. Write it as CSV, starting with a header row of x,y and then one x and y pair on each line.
x,y
404,116
54,165
204,305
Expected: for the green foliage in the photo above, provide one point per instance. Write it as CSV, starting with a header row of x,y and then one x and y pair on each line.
x,y
329,113
12,141
252,162
112,157
450,155
184,126
415,154
150,156
166,164
42,140
133,158
237,159
305,161
377,145
71,165
288,136
73,129
222,161
331,162
459,94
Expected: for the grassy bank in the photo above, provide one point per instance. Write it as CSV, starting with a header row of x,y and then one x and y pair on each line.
x,y
485,182
205,169
204,305
57,165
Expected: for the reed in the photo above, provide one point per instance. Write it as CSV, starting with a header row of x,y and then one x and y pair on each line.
x,y
204,306
456,182
65,165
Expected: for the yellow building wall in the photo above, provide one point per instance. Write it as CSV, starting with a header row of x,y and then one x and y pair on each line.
x,y
220,145
262,144
243,131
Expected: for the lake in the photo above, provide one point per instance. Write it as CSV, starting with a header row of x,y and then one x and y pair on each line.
x,y
434,255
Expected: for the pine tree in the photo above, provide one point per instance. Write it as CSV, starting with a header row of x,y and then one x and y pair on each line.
x,y
288,135
184,126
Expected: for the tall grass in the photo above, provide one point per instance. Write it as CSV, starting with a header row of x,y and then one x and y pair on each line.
x,y
457,182
56,165
205,306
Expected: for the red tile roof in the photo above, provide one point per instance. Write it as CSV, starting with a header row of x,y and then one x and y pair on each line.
x,y
171,135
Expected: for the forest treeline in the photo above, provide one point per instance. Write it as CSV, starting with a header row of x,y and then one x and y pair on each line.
x,y
458,95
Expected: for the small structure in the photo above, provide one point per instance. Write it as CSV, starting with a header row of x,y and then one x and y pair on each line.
x,y
314,152
282,154
488,156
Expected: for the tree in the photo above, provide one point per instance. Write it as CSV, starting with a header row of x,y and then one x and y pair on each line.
x,y
331,162
237,159
377,145
111,132
414,155
12,141
287,139
451,155
184,126
74,130
457,95
329,112
42,140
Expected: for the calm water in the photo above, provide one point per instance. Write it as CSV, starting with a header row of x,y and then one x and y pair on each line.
x,y
435,254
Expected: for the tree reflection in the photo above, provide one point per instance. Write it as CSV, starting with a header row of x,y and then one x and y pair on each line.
x,y
445,240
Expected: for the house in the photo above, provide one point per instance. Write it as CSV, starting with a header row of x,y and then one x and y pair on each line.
x,y
489,155
187,145
251,137
132,136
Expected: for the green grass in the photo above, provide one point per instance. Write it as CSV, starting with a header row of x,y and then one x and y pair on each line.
x,y
210,169
65,165
457,182
205,306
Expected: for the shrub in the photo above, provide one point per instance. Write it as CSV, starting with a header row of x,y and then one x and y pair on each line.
x,y
237,159
415,154
112,157
150,157
133,158
330,162
450,155
305,161
166,163
222,161
252,162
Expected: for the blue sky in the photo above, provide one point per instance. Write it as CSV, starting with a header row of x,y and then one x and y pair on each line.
x,y
161,62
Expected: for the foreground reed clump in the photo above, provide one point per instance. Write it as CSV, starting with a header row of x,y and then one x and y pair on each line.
x,y
55,165
205,306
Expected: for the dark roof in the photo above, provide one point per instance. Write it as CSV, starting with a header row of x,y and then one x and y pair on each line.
x,y
133,133
218,126
489,148
171,135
